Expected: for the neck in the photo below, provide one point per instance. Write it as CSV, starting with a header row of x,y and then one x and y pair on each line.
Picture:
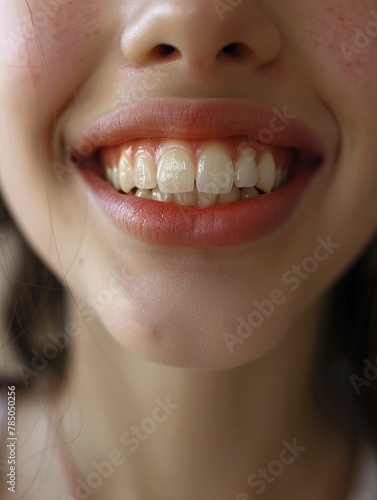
x,y
207,429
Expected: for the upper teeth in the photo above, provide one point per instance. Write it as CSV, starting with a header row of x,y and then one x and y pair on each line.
x,y
175,170
174,173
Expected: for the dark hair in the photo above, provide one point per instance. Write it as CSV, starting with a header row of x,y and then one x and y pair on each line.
x,y
35,305
349,333
348,342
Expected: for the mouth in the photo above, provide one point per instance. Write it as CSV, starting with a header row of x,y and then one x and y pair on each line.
x,y
196,173
208,173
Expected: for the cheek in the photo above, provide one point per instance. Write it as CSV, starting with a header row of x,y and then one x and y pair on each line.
x,y
38,36
343,35
41,68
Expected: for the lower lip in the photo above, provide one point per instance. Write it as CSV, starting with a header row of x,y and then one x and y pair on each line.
x,y
221,225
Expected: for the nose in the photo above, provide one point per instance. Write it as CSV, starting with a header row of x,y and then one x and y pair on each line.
x,y
200,33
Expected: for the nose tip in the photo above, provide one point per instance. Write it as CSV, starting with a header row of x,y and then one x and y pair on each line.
x,y
194,33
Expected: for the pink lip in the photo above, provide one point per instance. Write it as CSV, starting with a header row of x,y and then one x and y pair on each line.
x,y
195,119
176,225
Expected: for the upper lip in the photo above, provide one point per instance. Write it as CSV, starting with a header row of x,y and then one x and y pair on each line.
x,y
194,119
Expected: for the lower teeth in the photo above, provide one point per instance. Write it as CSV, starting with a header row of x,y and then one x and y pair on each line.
x,y
194,198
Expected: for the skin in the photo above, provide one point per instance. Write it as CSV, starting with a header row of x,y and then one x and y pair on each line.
x,y
56,82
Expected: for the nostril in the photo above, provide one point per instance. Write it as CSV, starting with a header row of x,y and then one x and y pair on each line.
x,y
164,51
238,51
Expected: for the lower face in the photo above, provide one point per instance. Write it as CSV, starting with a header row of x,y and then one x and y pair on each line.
x,y
195,269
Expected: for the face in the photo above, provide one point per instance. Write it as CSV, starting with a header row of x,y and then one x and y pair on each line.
x,y
110,110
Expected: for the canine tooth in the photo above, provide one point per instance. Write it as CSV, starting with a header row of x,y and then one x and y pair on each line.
x,y
176,171
249,193
215,171
206,199
234,195
145,176
185,198
125,174
109,174
279,178
246,169
267,173
146,194
157,195
116,182
285,176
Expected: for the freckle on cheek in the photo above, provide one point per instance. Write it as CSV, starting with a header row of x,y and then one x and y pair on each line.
x,y
335,25
68,28
54,35
50,32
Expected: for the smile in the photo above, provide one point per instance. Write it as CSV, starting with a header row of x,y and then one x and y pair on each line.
x,y
181,172
198,174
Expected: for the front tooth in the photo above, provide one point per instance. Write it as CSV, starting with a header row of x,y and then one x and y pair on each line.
x,y
176,171
157,195
267,173
215,171
145,176
146,194
234,195
185,198
246,169
206,199
126,180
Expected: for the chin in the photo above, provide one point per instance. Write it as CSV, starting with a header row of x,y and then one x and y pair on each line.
x,y
192,337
